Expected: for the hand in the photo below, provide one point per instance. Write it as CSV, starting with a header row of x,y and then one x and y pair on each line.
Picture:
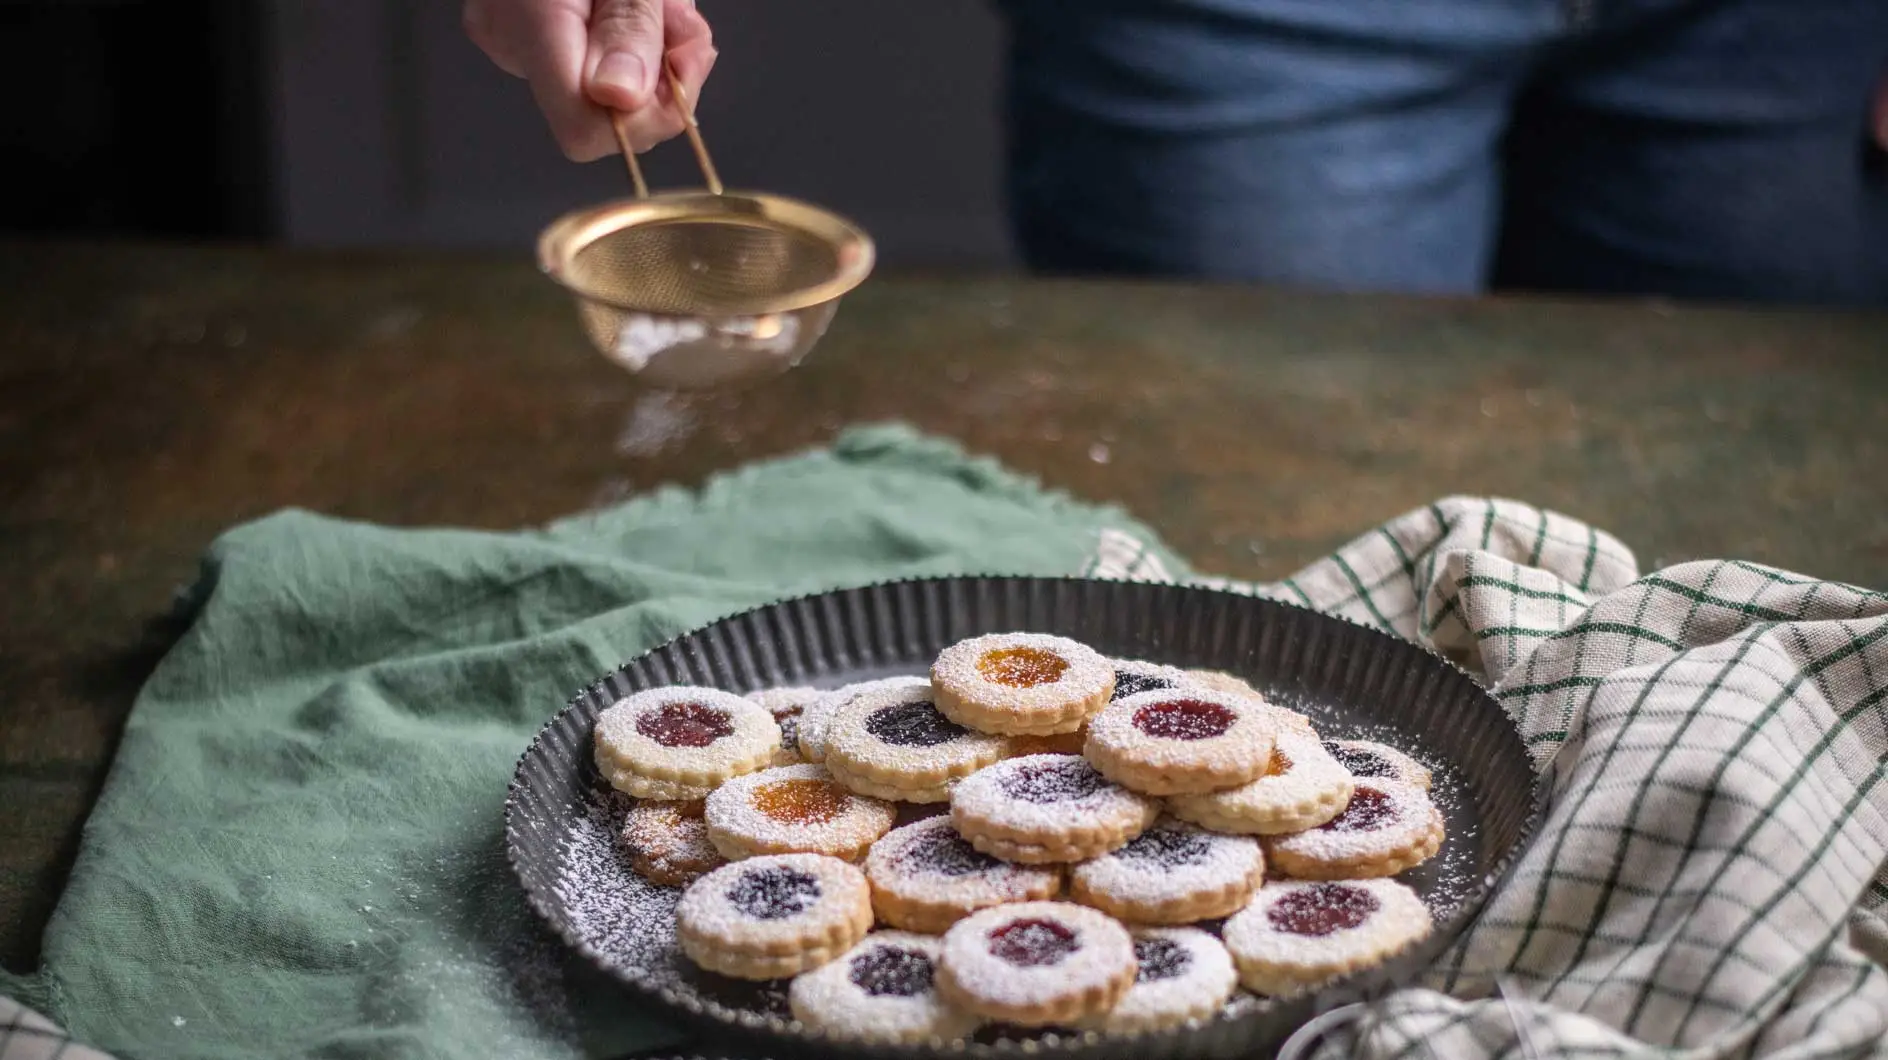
x,y
582,56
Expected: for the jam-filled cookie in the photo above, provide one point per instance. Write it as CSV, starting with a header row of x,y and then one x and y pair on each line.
x,y
668,842
894,744
1181,742
1305,788
1298,934
925,877
882,990
794,810
1181,974
810,732
1021,684
1366,760
775,916
1173,873
1036,963
1047,808
680,743
786,704
1220,681
1386,828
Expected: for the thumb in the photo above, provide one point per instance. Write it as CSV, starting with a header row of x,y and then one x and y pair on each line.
x,y
625,56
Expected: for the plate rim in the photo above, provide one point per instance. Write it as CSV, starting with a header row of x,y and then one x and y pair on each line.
x,y
707,1017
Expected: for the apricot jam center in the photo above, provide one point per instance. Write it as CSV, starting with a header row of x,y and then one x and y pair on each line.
x,y
1022,667
684,725
800,801
1184,719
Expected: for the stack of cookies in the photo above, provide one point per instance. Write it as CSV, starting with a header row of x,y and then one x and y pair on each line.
x,y
1085,842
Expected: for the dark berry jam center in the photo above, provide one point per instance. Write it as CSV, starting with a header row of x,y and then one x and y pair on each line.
x,y
891,971
948,854
1130,684
913,725
1022,667
1168,848
1184,719
1368,811
1052,782
685,725
1032,943
1361,763
1322,909
773,894
1160,959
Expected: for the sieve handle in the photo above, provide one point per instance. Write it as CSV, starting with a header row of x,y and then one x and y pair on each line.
x,y
619,125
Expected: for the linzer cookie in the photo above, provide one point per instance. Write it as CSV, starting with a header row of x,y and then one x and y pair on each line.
x,y
1366,760
1305,788
786,704
1047,808
1297,935
894,744
680,743
1173,873
811,730
1181,742
1181,974
794,810
775,916
1220,681
1036,963
668,842
1021,684
925,877
1386,827
882,990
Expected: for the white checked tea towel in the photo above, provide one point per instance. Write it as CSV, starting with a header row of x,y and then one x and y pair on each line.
x,y
1710,881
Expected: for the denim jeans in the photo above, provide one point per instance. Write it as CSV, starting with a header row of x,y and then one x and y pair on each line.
x,y
1695,148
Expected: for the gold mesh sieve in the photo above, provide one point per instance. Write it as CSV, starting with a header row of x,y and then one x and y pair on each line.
x,y
704,288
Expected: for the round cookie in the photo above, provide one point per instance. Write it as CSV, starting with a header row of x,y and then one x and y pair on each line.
x,y
1305,788
925,877
1036,963
893,743
1181,742
668,842
1021,684
680,743
811,730
1181,974
1386,828
785,704
775,916
1368,760
882,990
1047,808
1173,873
1299,934
796,809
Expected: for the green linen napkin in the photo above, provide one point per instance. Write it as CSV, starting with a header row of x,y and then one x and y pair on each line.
x,y
299,851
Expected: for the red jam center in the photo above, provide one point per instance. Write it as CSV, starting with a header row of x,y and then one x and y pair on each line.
x,y
1022,667
684,725
801,801
1369,810
1322,909
1184,719
1032,943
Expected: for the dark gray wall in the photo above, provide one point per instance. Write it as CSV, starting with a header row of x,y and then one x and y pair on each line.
x,y
389,128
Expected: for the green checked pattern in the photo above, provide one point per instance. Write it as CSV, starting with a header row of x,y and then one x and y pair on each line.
x,y
1711,879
